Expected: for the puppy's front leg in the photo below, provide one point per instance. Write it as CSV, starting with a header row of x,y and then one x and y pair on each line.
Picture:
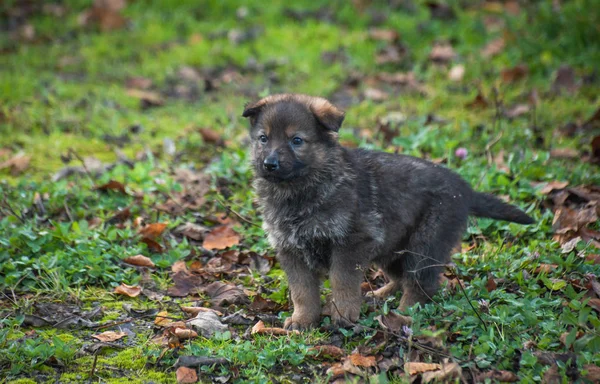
x,y
304,286
345,277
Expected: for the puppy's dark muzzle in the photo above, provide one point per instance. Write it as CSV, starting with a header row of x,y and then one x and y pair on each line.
x,y
271,163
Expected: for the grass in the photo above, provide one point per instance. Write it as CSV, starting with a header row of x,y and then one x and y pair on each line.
x,y
64,92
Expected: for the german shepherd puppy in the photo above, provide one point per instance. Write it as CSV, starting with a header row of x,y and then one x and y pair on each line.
x,y
331,209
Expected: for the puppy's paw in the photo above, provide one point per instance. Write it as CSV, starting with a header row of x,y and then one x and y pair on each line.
x,y
345,314
299,322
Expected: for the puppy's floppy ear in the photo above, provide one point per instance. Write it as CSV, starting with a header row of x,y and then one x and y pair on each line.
x,y
252,110
327,114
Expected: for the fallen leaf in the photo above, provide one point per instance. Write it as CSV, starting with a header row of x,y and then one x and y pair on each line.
x,y
128,290
491,284
207,323
220,238
456,73
147,98
162,319
192,231
516,111
394,322
493,48
545,268
553,185
514,74
447,373
328,351
152,231
552,376
223,294
17,164
112,186
153,246
109,336
564,80
388,35
392,54
592,373
260,329
104,13
362,361
417,368
185,334
442,53
479,102
186,375
210,136
184,280
564,153
498,376
196,310
376,94
261,305
138,82
595,303
139,260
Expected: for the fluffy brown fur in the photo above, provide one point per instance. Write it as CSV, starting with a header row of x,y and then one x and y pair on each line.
x,y
333,210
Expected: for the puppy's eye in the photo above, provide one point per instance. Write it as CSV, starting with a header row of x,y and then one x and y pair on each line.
x,y
297,141
263,139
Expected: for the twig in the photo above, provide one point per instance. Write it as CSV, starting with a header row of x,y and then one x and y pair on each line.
x,y
489,146
87,171
93,366
469,301
229,209
68,212
10,208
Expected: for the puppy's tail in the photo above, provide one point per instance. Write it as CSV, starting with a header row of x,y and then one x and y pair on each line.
x,y
484,205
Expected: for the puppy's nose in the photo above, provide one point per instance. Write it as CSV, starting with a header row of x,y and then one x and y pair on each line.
x,y
271,163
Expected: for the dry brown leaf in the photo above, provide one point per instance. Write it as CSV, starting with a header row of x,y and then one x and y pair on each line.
x,y
446,374
148,97
186,375
394,322
112,185
545,268
153,246
376,94
592,373
138,82
139,260
329,351
109,336
17,164
196,310
185,334
564,80
479,102
491,284
498,376
456,73
442,53
514,74
595,303
162,319
493,48
152,231
362,361
210,136
417,368
259,328
223,294
564,153
517,110
220,238
388,35
185,281
104,13
128,290
553,185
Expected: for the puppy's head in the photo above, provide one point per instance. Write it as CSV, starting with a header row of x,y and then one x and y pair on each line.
x,y
292,135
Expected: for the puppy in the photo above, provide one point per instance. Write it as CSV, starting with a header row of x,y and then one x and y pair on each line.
x,y
331,209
